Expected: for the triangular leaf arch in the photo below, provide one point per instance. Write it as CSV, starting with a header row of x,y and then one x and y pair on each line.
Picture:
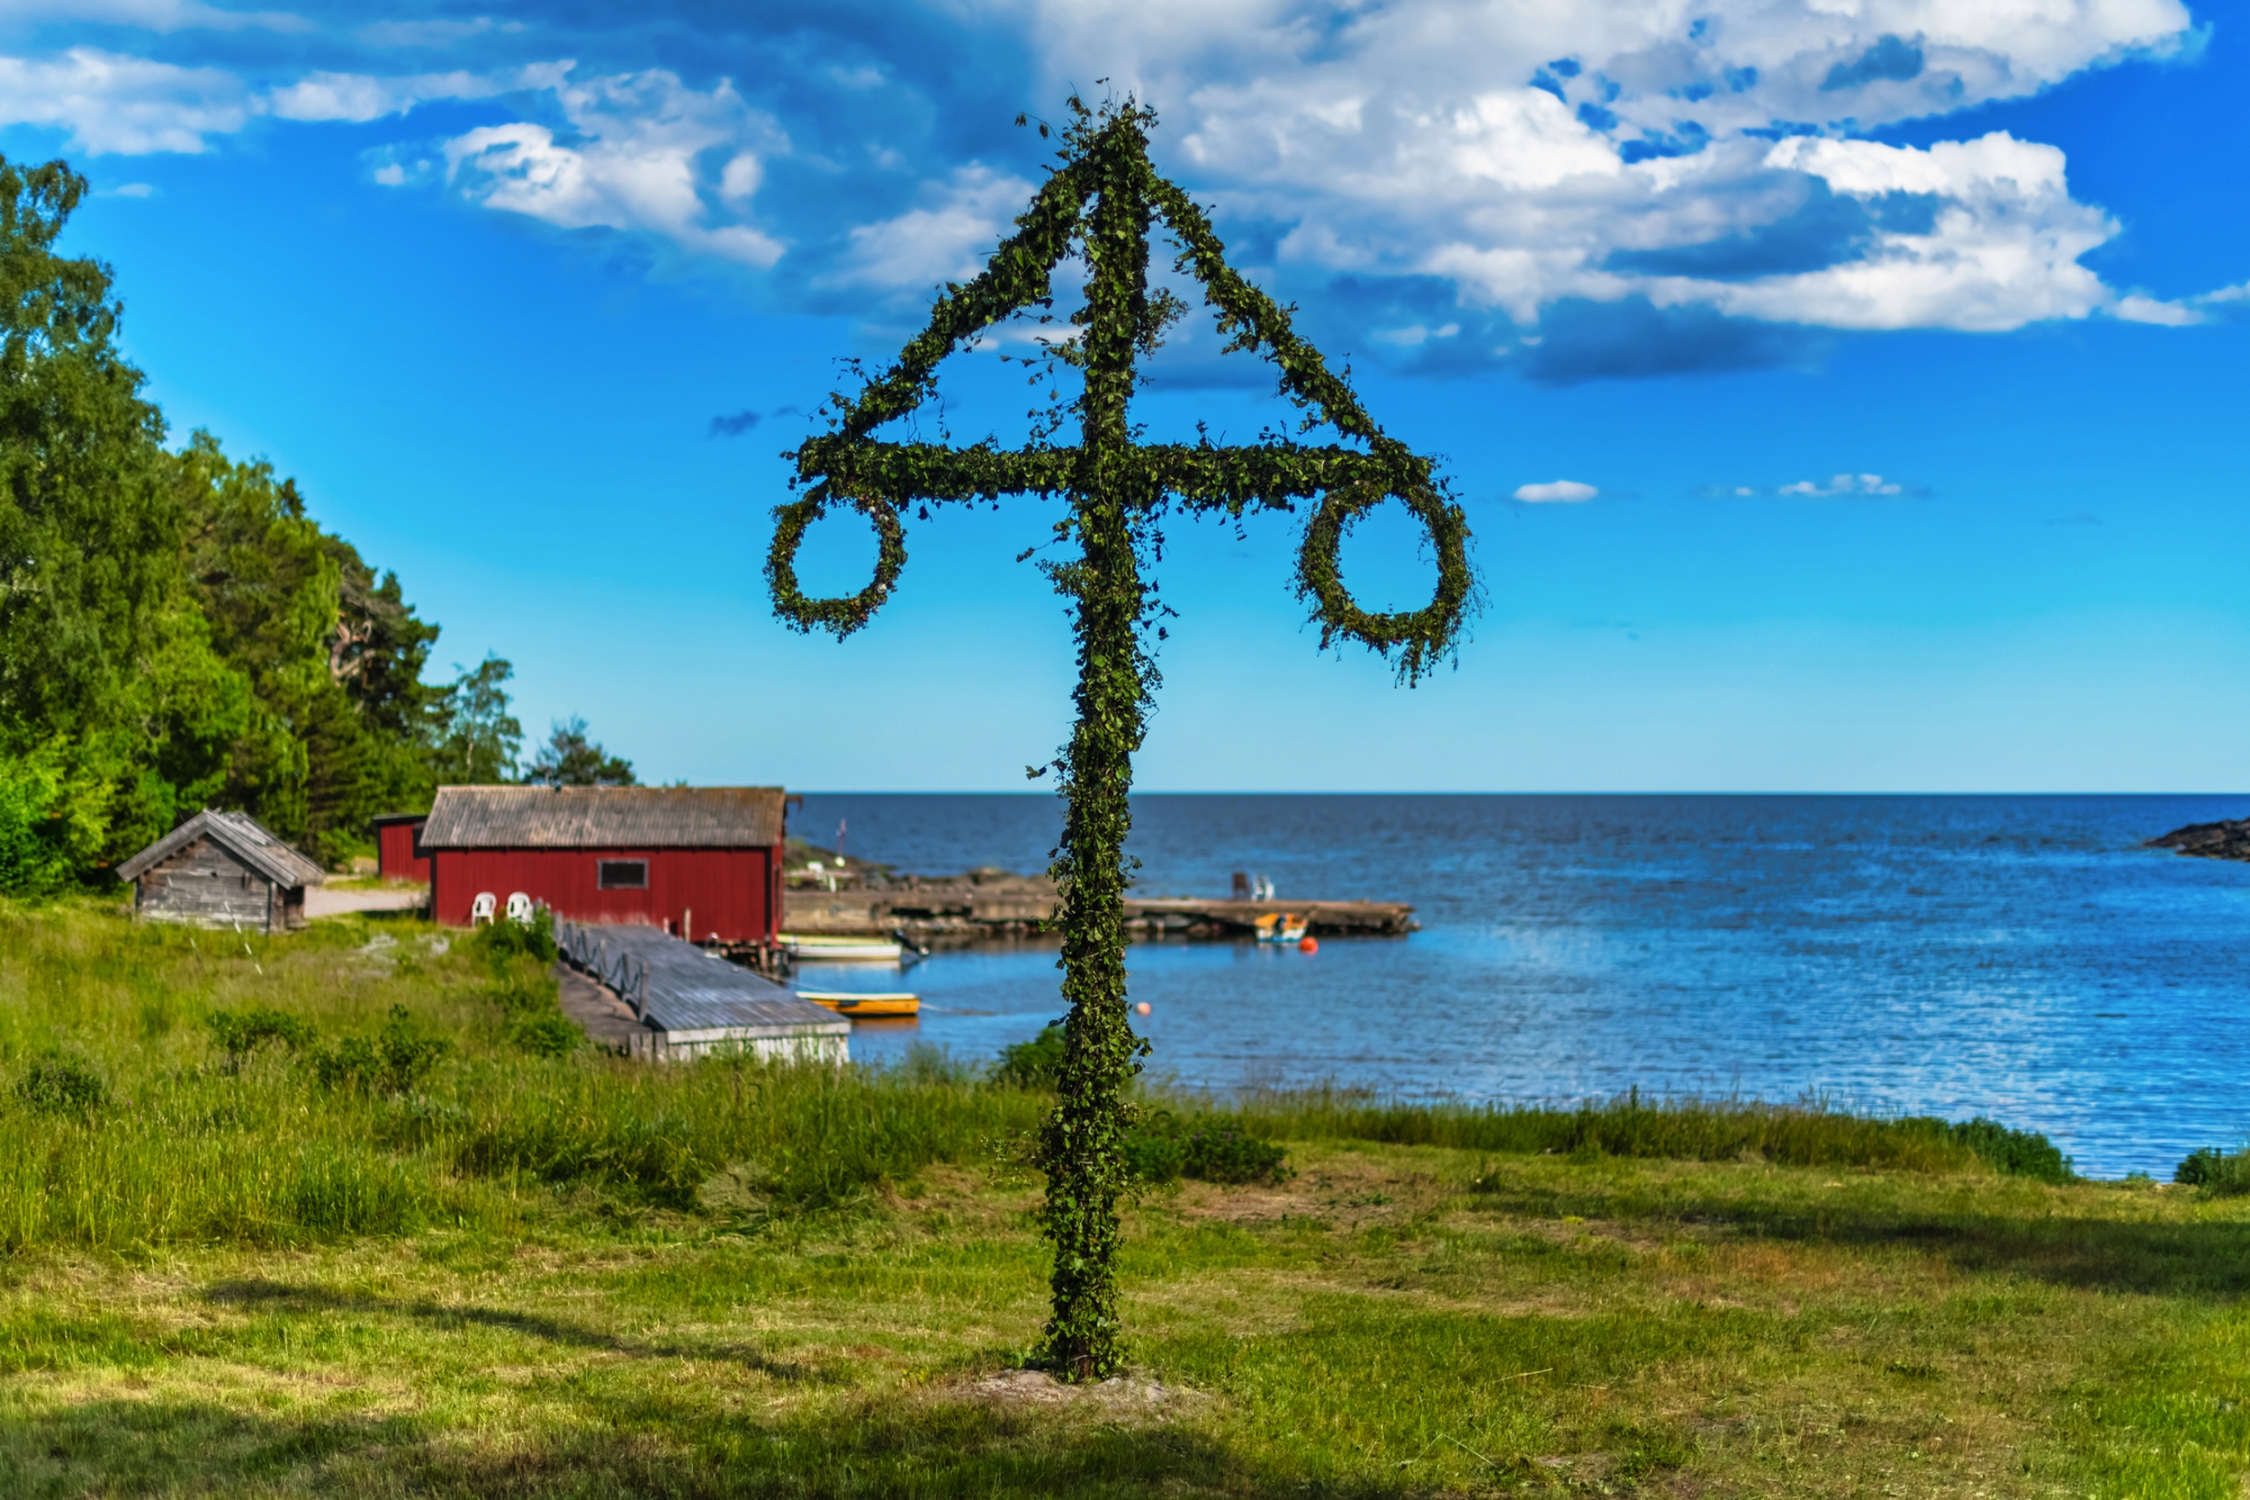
x,y
1100,203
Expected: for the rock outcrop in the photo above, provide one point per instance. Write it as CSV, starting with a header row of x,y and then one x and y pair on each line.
x,y
2224,840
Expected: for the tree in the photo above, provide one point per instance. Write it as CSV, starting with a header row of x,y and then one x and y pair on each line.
x,y
473,738
334,658
1099,203
568,759
115,712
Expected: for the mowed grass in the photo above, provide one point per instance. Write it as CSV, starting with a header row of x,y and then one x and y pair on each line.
x,y
575,1276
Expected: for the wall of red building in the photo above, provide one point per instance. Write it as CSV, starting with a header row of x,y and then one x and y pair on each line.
x,y
395,858
733,893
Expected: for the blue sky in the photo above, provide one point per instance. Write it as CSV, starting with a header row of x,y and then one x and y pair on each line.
x,y
1843,398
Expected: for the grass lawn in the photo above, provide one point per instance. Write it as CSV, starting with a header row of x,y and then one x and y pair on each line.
x,y
525,1275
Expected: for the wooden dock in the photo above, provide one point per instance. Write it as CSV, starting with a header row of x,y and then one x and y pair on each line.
x,y
1022,906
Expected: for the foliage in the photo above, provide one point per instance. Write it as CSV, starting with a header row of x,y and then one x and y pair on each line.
x,y
504,943
175,632
239,1033
1165,1148
57,1083
333,657
546,1033
1686,1128
569,759
2016,1153
115,715
1100,203
395,1060
2221,1174
1032,1064
473,737
36,842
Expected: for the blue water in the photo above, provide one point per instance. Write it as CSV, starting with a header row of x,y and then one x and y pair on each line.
x,y
2019,957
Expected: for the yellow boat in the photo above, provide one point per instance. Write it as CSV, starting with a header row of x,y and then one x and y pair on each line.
x,y
1279,927
846,1004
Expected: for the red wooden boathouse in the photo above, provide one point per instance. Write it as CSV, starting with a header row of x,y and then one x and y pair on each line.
x,y
665,856
398,847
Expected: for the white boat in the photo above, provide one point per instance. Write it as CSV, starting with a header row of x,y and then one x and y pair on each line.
x,y
840,950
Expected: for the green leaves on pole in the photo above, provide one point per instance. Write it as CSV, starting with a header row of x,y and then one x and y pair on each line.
x,y
1100,204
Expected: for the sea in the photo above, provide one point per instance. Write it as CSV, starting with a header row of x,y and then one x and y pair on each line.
x,y
2022,958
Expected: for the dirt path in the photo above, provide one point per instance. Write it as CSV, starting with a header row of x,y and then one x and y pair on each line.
x,y
320,901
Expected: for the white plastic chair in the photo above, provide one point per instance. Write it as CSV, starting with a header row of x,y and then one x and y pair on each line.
x,y
519,909
480,910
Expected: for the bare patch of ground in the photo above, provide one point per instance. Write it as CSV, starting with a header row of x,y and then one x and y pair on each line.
x,y
1119,1397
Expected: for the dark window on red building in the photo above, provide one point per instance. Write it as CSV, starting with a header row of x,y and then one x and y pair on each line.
x,y
621,874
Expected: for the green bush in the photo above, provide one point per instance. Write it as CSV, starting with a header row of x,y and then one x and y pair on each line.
x,y
1222,1153
2219,1173
395,1061
546,1034
2013,1153
503,942
1155,1159
1032,1064
523,989
238,1033
1163,1148
57,1083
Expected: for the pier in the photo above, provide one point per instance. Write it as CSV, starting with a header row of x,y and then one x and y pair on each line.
x,y
995,904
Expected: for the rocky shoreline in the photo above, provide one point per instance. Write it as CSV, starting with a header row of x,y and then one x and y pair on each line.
x,y
2229,839
830,898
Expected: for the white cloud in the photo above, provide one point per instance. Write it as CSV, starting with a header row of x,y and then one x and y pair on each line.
x,y
2139,309
111,103
133,190
153,15
946,238
636,161
431,33
1560,491
2002,251
1842,484
1537,152
360,97
126,105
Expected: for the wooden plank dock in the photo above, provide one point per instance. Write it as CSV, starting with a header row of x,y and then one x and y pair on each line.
x,y
680,1001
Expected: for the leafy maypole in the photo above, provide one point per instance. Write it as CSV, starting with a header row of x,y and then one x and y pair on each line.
x,y
1099,204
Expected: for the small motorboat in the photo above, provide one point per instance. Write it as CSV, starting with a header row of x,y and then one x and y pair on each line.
x,y
855,1005
840,950
1279,927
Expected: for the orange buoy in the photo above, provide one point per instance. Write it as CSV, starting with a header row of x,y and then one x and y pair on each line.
x,y
1142,1007
1308,944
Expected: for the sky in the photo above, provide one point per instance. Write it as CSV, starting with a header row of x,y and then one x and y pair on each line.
x,y
1843,396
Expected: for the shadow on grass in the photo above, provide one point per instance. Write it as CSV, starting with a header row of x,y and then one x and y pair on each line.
x,y
634,1448
275,1296
2208,1260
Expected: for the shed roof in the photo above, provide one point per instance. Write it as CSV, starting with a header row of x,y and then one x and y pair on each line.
x,y
678,987
604,817
240,835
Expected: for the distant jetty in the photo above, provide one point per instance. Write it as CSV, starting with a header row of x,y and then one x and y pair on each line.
x,y
989,904
2224,840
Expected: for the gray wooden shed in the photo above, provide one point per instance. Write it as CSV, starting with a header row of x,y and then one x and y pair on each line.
x,y
221,869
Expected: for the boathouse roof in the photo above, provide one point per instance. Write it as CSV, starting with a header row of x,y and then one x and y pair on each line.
x,y
240,835
604,817
679,988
